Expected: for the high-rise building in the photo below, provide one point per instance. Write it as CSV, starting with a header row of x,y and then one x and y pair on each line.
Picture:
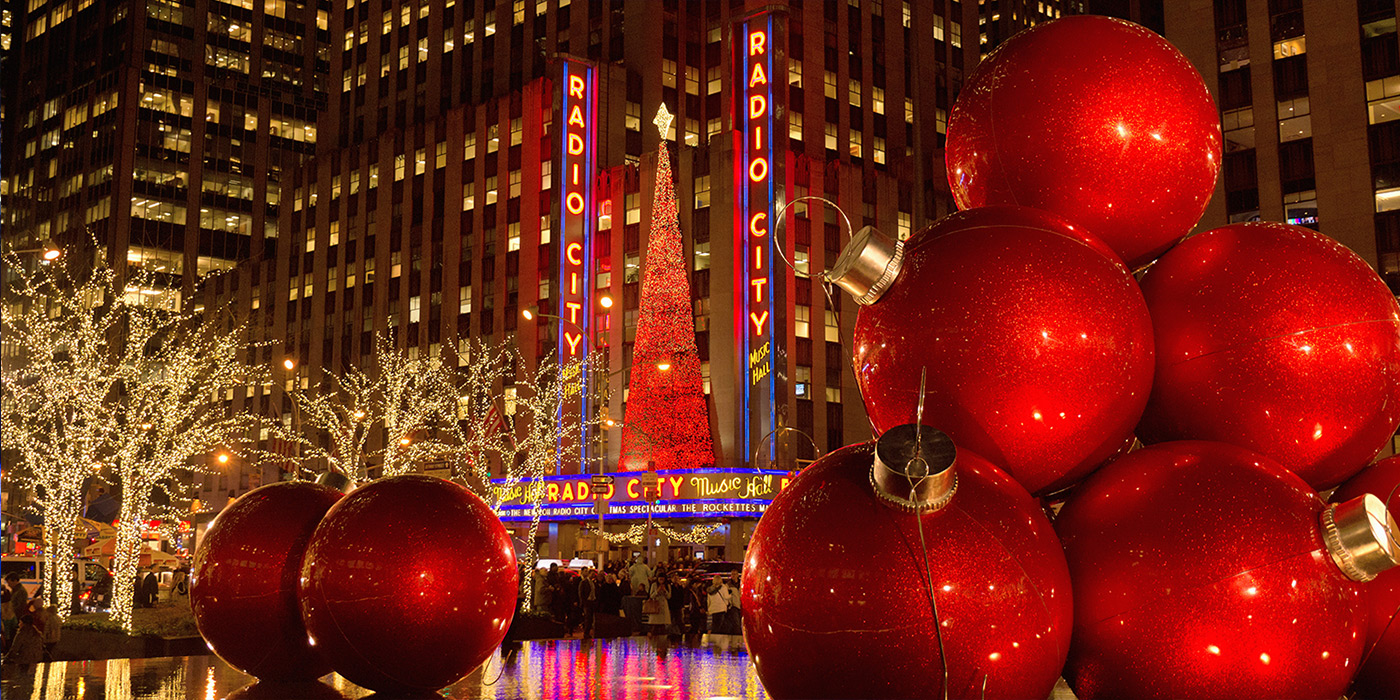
x,y
160,128
456,186
1309,99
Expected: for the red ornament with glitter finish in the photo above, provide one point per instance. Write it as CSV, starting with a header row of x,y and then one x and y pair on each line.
x,y
1279,339
1203,570
243,586
1035,337
409,584
1096,119
836,596
1379,676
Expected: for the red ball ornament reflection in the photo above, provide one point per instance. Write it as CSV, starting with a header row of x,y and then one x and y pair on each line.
x,y
243,587
1278,339
409,584
1036,341
1096,119
1379,676
836,600
1200,570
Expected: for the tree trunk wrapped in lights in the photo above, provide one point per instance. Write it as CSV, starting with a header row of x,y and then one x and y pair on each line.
x,y
169,420
99,383
57,379
667,420
528,431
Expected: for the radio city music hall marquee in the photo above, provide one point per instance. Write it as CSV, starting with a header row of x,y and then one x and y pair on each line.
x,y
683,493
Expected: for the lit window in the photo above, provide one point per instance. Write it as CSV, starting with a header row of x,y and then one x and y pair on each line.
x,y
795,125
668,73
713,80
904,226
802,262
420,162
1383,99
1294,119
938,28
516,131
1300,208
802,321
853,93
702,191
491,189
514,184
513,236
877,100
1238,125
830,136
1296,46
633,118
469,152
830,85
856,146
633,209
833,330
702,255
878,151
1387,199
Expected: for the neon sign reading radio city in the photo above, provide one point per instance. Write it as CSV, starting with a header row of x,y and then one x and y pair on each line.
x,y
758,137
576,211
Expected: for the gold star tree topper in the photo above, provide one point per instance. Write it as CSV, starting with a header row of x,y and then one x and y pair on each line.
x,y
663,120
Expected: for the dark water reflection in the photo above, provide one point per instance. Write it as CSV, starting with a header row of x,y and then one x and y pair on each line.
x,y
712,667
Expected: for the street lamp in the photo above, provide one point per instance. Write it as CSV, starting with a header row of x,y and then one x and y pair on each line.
x,y
290,364
49,251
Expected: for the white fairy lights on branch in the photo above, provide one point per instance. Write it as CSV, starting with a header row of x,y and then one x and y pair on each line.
x,y
99,383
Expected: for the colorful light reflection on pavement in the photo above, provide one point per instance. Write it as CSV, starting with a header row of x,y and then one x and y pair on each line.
x,y
712,667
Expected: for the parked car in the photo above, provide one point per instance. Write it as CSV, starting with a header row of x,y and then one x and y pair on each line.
x,y
86,574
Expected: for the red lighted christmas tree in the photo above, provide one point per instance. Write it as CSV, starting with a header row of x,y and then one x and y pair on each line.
x,y
667,420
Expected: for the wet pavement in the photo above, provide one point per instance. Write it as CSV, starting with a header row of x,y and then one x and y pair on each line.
x,y
711,667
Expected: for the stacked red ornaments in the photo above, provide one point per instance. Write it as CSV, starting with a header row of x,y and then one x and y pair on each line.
x,y
1279,339
836,584
1379,675
1095,119
1035,339
1203,570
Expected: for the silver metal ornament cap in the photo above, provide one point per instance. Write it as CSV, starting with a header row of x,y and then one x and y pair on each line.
x,y
913,468
1360,537
337,481
867,265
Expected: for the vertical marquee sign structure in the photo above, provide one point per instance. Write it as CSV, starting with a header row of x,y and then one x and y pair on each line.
x,y
759,91
576,214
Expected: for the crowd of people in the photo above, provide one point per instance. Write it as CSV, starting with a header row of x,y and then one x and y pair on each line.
x,y
31,629
667,598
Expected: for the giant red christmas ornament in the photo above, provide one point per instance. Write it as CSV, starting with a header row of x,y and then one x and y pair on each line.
x,y
1096,119
1379,675
409,583
243,587
1036,341
836,596
1279,339
1204,570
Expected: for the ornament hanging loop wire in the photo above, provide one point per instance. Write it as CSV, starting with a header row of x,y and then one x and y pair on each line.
x,y
827,284
919,521
816,451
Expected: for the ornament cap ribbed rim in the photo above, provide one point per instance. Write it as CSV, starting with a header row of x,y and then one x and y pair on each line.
x,y
1359,536
917,460
867,265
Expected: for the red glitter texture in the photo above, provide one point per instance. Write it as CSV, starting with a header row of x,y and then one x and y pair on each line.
x,y
667,421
